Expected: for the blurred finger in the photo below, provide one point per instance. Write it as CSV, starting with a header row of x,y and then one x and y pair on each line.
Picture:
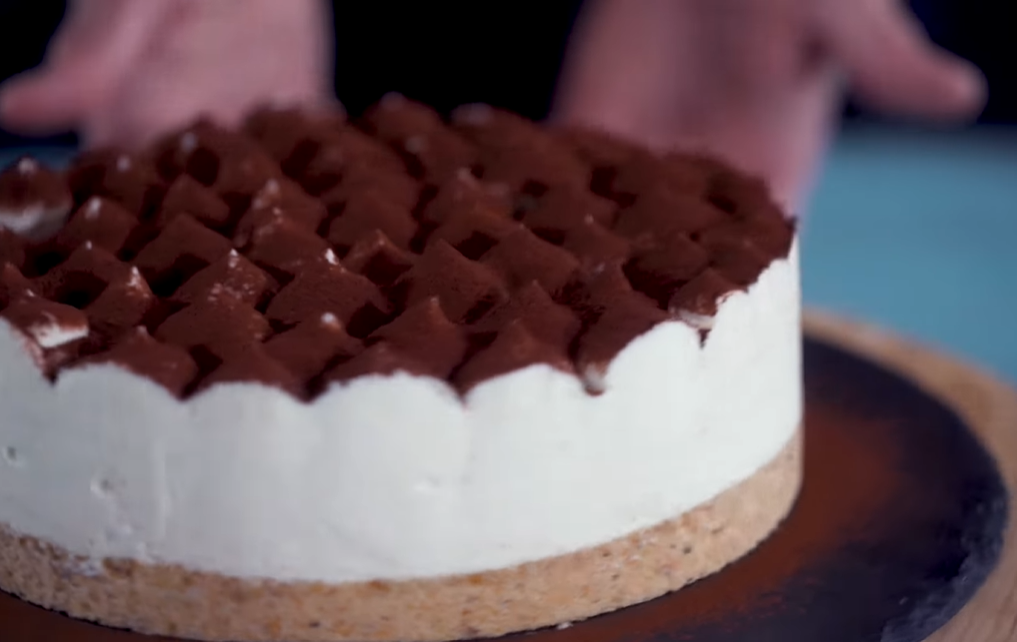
x,y
892,65
67,88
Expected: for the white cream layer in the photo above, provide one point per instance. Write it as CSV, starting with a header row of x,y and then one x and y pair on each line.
x,y
396,477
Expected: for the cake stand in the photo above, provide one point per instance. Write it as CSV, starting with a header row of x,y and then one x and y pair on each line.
x,y
900,533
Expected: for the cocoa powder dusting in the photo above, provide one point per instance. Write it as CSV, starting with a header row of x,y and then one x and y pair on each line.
x,y
299,214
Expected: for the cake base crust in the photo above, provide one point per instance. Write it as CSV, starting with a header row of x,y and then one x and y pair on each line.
x,y
171,600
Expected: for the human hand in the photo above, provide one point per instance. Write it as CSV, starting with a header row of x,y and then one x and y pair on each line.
x,y
124,71
758,83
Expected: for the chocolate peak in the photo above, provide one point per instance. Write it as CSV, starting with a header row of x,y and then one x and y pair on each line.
x,y
329,287
219,325
167,365
381,359
377,258
124,303
254,365
99,221
309,348
514,348
424,334
466,289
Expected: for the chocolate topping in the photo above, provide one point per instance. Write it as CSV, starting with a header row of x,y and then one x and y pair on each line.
x,y
26,185
308,250
659,270
395,118
187,195
432,152
12,248
517,153
288,197
514,348
47,323
465,289
701,295
599,149
493,128
378,259
342,152
533,169
464,193
546,320
439,155
220,325
235,274
473,231
523,257
13,285
594,245
284,248
644,176
768,236
125,178
662,214
614,329
83,276
367,211
183,248
564,209
310,347
242,173
34,201
124,303
398,188
254,366
172,153
738,261
53,334
105,223
167,365
744,197
379,359
330,287
285,132
592,291
231,164
257,218
423,333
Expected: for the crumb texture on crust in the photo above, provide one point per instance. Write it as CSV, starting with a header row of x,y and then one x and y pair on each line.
x,y
217,256
171,600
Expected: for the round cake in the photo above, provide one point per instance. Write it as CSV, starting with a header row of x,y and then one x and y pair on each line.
x,y
396,377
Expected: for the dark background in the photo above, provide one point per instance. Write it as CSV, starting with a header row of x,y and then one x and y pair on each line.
x,y
507,54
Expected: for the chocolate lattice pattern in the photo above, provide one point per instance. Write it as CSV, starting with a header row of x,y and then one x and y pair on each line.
x,y
307,249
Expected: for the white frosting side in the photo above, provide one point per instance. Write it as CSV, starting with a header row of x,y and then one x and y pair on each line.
x,y
395,477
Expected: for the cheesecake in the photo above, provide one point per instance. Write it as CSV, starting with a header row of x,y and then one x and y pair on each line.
x,y
394,377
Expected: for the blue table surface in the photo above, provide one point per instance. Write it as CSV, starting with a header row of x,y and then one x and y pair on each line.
x,y
914,231
918,232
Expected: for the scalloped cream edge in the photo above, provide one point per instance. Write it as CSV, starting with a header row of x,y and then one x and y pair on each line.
x,y
397,477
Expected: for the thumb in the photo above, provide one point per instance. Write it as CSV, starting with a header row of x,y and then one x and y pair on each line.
x,y
893,67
